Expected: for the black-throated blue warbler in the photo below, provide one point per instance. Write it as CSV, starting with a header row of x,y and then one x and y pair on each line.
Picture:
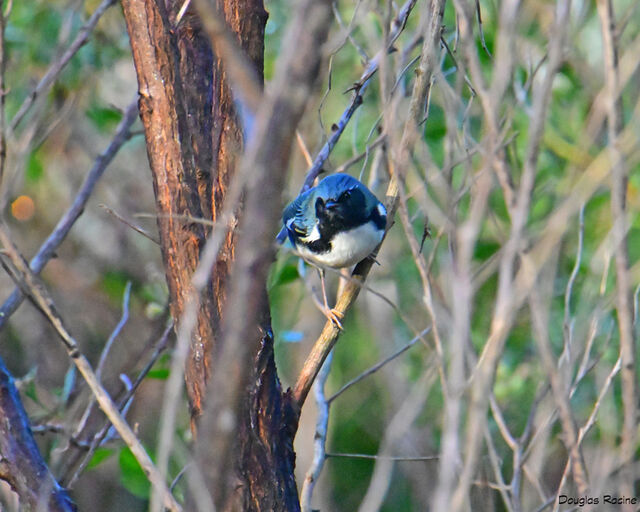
x,y
335,224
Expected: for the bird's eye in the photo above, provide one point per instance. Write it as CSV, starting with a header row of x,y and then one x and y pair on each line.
x,y
345,195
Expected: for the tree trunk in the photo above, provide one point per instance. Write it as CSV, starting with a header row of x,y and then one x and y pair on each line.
x,y
216,141
193,143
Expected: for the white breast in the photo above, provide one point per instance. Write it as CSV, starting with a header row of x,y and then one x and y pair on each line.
x,y
347,248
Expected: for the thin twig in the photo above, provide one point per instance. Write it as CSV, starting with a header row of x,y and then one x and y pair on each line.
x,y
589,423
101,435
137,229
567,324
397,458
303,148
377,366
540,320
396,429
518,206
479,14
116,331
320,438
355,159
624,307
105,352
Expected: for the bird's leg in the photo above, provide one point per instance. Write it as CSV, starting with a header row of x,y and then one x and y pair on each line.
x,y
332,314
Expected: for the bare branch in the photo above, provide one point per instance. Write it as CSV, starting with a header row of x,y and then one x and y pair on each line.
x,y
319,439
116,331
98,438
137,229
377,366
484,372
397,458
399,424
560,389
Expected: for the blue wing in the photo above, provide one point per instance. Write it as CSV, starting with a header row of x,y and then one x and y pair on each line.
x,y
297,219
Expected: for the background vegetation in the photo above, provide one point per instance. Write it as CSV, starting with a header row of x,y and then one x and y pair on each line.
x,y
507,256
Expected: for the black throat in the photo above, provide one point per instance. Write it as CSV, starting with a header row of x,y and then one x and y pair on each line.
x,y
330,224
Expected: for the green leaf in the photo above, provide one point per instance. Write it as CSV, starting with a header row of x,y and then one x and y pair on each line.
x,y
283,275
114,283
131,475
31,391
104,118
35,169
99,456
160,374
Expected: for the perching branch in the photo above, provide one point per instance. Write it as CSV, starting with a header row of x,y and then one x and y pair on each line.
x,y
329,335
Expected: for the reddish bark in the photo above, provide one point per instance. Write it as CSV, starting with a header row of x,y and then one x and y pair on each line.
x,y
193,141
193,144
216,141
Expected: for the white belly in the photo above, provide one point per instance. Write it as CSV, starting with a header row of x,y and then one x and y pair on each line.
x,y
347,248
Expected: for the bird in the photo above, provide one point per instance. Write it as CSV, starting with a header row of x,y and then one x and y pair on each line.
x,y
335,224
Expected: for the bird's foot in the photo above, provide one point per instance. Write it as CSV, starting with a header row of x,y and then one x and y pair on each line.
x,y
334,316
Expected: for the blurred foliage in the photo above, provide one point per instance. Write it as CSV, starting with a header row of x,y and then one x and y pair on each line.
x,y
54,146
